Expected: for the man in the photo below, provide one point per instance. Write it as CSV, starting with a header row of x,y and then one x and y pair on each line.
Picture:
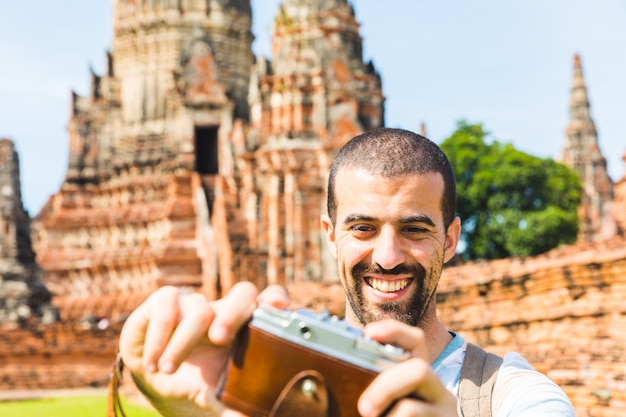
x,y
391,226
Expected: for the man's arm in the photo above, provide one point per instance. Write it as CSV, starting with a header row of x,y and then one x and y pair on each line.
x,y
176,345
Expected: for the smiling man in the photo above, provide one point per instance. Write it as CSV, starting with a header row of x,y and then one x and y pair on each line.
x,y
391,226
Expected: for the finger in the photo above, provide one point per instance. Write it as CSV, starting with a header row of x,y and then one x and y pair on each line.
x,y
409,338
132,338
196,317
413,377
232,312
276,296
162,314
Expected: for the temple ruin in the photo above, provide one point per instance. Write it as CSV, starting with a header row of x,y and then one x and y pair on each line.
x,y
194,163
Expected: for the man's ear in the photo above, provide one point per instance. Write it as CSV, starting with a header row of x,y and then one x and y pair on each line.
x,y
327,225
453,234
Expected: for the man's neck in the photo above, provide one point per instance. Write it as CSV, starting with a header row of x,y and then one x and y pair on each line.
x,y
437,338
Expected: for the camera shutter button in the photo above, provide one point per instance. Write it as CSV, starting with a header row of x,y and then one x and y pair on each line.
x,y
305,330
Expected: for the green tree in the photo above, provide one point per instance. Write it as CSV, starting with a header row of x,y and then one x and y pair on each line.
x,y
510,203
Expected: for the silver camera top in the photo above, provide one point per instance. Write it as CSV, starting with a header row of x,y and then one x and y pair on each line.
x,y
329,335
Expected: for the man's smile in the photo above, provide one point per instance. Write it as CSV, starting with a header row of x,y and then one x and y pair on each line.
x,y
388,286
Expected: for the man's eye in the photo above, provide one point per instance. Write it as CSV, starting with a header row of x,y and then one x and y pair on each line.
x,y
415,230
362,228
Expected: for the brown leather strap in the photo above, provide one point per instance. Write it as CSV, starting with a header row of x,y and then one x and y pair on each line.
x,y
114,403
305,395
478,376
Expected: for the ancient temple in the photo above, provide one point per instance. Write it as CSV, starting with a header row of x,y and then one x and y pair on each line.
x,y
582,153
23,296
193,163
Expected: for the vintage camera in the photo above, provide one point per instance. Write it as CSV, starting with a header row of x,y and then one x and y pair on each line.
x,y
301,363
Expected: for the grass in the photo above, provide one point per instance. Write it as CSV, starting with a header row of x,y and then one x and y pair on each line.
x,y
83,406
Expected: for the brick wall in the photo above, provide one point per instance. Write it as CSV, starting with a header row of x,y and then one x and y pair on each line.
x,y
563,311
56,356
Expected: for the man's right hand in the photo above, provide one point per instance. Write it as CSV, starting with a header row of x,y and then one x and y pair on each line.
x,y
176,345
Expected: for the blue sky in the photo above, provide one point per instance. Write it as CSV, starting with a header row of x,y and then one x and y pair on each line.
x,y
507,65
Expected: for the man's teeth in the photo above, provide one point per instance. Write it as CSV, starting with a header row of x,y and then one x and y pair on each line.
x,y
388,286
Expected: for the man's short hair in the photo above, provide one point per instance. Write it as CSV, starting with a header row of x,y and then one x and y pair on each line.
x,y
390,153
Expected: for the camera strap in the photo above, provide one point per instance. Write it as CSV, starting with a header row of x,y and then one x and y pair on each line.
x,y
114,403
305,395
478,376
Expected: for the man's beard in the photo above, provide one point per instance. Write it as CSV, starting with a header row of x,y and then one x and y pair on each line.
x,y
411,312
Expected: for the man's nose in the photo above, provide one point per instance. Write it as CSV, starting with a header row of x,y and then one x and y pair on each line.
x,y
388,252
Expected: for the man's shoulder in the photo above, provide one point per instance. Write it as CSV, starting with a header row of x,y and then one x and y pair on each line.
x,y
522,390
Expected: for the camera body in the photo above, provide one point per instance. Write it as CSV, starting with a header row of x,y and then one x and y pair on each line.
x,y
301,363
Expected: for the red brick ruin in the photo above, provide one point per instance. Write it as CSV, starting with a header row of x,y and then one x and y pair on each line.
x,y
194,163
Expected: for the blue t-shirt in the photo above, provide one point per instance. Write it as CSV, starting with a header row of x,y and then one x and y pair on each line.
x,y
520,390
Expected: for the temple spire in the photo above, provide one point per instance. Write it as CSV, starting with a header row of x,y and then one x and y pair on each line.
x,y
581,152
317,88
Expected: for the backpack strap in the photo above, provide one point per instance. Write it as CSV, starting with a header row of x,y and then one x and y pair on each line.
x,y
478,376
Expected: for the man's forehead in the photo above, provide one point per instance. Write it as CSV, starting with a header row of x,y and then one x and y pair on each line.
x,y
361,188
348,173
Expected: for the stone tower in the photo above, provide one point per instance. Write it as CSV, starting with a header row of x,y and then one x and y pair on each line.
x,y
307,101
22,293
317,86
146,147
178,70
193,164
582,153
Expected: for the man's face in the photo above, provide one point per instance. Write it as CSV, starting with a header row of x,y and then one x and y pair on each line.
x,y
390,244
